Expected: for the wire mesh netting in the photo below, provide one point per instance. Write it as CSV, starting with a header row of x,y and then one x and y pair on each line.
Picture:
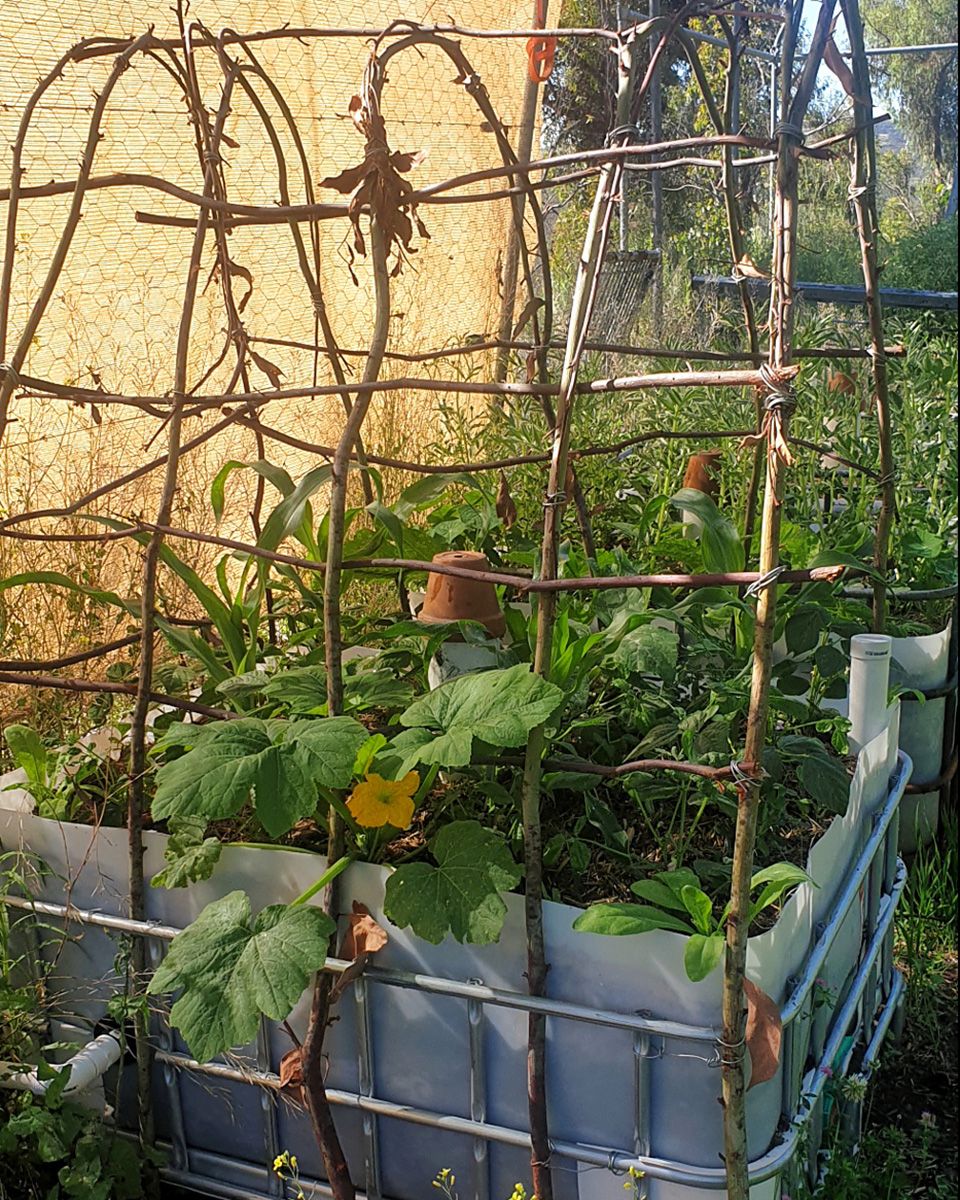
x,y
113,319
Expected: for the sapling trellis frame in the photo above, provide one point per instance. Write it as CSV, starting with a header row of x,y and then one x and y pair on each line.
x,y
387,206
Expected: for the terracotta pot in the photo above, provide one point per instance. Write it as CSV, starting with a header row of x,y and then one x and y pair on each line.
x,y
840,383
450,598
701,472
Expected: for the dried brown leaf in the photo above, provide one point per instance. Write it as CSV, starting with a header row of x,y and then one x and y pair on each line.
x,y
506,509
764,1033
746,268
532,306
291,1074
834,60
271,370
404,162
363,934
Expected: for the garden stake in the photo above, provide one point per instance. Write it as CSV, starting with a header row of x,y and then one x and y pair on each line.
x,y
136,803
776,427
583,296
863,196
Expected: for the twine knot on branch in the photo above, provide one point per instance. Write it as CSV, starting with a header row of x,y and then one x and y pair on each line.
x,y
868,189
736,1048
554,499
764,581
779,404
789,129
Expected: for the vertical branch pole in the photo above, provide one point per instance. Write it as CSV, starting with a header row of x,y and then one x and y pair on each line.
x,y
656,182
583,297
511,263
863,195
318,1105
136,800
731,120
776,428
727,121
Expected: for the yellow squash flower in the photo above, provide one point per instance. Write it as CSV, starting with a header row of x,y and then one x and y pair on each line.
x,y
377,802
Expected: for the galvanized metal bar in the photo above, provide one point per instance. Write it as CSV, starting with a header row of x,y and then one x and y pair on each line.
x,y
883,1024
641,1112
706,39
850,890
404,979
268,1105
478,1098
180,1146
522,1002
371,1146
770,1164
835,293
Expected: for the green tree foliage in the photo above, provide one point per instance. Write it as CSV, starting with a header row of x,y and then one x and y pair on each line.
x,y
923,87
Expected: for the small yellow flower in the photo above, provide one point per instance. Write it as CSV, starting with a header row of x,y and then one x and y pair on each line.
x,y
294,1166
377,802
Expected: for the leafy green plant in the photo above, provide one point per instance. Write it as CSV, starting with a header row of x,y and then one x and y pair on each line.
x,y
51,1148
678,903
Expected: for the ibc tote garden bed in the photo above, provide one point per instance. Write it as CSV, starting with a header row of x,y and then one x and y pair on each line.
x,y
632,743
427,1056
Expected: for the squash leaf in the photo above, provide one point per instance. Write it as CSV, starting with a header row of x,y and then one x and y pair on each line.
x,y
230,967
498,708
190,856
280,763
461,894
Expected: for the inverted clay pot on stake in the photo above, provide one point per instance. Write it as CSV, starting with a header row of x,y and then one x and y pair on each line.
x,y
702,476
451,598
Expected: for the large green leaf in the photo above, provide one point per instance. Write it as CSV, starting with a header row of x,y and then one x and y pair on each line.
x,y
328,748
230,968
280,764
189,856
276,475
776,880
461,894
719,540
498,708
290,512
619,920
30,755
427,489
301,689
649,650
698,905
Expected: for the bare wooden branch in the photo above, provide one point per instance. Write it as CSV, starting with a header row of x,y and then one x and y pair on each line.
x,y
109,686
863,196
778,406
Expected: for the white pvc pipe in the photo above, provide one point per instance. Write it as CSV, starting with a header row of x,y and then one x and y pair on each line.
x,y
86,1067
869,687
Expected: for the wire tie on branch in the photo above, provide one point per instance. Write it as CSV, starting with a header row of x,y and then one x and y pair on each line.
x,y
621,131
755,589
554,499
734,1046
